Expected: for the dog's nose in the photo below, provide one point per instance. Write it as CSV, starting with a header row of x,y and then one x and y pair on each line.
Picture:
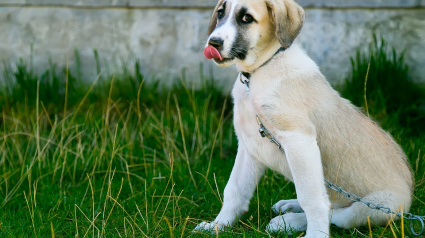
x,y
216,43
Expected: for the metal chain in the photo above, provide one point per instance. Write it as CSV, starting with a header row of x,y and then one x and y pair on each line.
x,y
387,210
408,216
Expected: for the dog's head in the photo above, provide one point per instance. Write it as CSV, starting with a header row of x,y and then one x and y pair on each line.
x,y
240,30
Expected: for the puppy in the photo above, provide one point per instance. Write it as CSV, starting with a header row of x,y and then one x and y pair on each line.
x,y
323,135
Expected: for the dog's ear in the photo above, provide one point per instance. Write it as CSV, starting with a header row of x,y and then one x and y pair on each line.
x,y
214,18
288,18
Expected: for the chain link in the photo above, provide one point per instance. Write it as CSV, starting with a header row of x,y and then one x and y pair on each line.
x,y
408,216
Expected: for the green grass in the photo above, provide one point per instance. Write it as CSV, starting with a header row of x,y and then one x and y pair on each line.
x,y
127,158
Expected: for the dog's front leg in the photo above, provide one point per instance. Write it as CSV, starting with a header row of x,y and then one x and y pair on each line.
x,y
303,156
239,190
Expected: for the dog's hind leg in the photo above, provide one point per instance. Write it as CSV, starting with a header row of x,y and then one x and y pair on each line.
x,y
356,214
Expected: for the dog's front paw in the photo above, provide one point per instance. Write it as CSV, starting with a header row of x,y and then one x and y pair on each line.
x,y
287,223
287,205
209,227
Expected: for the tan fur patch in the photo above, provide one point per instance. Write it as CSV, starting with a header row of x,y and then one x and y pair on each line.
x,y
288,19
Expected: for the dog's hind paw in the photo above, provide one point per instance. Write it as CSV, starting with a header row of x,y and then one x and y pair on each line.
x,y
287,223
287,205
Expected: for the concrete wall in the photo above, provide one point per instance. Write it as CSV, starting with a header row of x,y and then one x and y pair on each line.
x,y
168,35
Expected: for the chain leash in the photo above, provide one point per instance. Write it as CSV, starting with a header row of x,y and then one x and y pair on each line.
x,y
408,216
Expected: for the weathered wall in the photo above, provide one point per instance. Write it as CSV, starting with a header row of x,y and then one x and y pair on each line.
x,y
167,35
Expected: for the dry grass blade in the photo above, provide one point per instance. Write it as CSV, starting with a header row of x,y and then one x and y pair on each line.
x,y
184,141
370,228
212,189
365,88
141,231
169,227
388,223
53,230
92,196
251,227
85,96
184,226
31,211
216,186
216,134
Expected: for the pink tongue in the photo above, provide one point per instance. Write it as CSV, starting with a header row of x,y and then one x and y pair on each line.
x,y
212,53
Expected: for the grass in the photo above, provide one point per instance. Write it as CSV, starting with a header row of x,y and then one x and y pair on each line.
x,y
126,158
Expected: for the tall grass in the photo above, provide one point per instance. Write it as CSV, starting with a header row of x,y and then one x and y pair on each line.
x,y
126,158
390,92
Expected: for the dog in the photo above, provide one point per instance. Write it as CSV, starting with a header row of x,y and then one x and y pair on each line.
x,y
322,134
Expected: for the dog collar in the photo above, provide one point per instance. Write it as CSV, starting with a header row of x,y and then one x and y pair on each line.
x,y
248,75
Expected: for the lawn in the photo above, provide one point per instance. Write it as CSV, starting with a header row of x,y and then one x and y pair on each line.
x,y
125,157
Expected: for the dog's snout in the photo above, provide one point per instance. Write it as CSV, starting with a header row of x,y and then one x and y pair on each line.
x,y
216,43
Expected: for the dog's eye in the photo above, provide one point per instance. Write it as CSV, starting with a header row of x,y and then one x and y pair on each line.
x,y
220,13
247,18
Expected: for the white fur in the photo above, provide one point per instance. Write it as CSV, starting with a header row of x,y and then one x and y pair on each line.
x,y
288,222
227,31
291,205
239,190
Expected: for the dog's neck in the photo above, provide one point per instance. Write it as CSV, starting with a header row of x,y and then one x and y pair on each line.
x,y
264,58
